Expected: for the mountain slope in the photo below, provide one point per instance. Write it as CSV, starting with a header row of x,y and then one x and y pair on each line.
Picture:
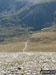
x,y
17,17
49,29
41,15
42,42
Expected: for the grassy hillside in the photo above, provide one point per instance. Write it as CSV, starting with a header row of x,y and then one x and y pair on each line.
x,y
39,41
42,41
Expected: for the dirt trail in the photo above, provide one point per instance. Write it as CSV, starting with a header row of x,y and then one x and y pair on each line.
x,y
26,43
25,47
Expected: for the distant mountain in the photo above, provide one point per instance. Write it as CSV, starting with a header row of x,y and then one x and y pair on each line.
x,y
19,16
40,15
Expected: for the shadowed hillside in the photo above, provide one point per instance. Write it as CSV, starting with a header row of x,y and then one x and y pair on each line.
x,y
18,15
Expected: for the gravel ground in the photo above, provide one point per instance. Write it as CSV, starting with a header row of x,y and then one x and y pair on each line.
x,y
26,63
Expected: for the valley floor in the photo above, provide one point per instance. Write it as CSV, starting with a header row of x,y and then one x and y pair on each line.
x,y
26,63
